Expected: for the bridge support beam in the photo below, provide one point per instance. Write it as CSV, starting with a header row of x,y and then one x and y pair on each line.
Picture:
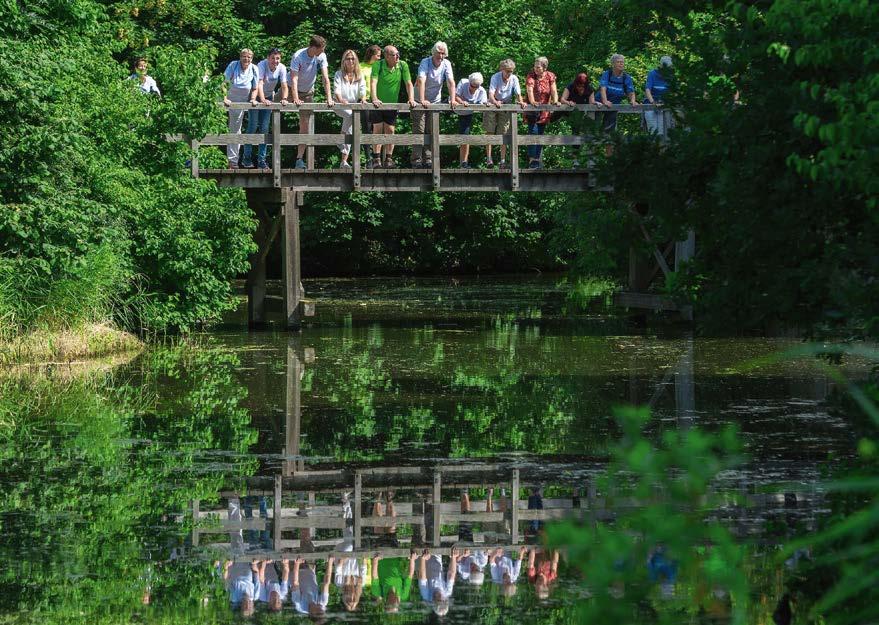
x,y
266,206
292,260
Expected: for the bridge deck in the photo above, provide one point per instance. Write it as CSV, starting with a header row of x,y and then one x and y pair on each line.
x,y
343,180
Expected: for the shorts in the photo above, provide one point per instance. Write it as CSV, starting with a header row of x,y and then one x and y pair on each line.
x,y
496,122
464,124
609,121
385,117
307,97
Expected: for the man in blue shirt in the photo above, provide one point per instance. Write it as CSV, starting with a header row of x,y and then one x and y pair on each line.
x,y
654,93
615,86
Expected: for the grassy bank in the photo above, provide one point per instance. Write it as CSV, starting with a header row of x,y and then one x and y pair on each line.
x,y
93,340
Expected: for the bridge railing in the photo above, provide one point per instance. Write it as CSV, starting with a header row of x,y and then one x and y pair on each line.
x,y
432,137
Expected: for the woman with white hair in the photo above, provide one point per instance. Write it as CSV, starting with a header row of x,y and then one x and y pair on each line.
x,y
503,88
239,85
654,93
542,89
470,92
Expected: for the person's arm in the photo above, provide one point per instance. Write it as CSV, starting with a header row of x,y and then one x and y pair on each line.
x,y
262,571
294,87
337,89
225,86
422,566
285,90
554,94
260,92
373,89
361,92
531,558
420,88
453,568
631,93
296,564
450,85
411,92
518,90
565,95
412,558
529,87
555,562
328,576
254,85
326,78
227,568
592,97
375,567
285,573
648,89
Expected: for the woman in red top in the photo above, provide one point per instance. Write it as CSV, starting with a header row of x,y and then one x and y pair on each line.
x,y
543,572
542,89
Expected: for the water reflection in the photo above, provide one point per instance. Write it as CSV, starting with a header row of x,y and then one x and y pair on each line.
x,y
380,438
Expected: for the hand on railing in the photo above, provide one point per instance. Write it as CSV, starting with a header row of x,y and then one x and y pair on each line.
x,y
227,101
296,99
377,102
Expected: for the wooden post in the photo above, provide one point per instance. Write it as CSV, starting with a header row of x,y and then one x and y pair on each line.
x,y
514,151
193,159
276,505
309,162
293,411
276,147
354,155
292,266
195,522
433,118
437,505
256,275
358,501
514,508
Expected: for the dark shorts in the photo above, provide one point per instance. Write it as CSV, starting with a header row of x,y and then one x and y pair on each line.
x,y
465,122
609,121
384,117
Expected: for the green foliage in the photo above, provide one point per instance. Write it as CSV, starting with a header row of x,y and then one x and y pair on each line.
x,y
671,481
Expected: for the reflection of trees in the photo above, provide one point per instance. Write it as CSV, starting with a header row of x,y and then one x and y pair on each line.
x,y
92,467
504,394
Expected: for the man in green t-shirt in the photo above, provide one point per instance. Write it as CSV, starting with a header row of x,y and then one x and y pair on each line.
x,y
392,580
387,77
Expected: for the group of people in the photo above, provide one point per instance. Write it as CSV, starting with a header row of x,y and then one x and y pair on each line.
x,y
389,581
382,77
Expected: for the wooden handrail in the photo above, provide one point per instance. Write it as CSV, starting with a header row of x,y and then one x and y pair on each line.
x,y
322,107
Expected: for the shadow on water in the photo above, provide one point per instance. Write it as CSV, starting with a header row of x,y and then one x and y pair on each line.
x,y
467,429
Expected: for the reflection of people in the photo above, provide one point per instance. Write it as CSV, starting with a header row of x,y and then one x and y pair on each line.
x,y
351,574
505,572
392,580
305,594
385,536
243,589
471,566
662,569
274,593
436,588
543,571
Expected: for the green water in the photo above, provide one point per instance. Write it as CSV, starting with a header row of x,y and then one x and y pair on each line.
x,y
99,466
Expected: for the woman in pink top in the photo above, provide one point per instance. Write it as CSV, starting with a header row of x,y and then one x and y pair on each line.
x,y
541,89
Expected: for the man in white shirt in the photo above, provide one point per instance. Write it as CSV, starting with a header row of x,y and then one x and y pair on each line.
x,y
436,589
274,593
243,589
433,72
505,571
304,67
305,594
272,78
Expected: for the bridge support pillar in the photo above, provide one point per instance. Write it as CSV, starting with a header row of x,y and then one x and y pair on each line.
x,y
266,205
292,261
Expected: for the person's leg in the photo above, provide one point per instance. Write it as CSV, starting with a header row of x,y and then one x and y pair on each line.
x,y
236,537
236,118
609,125
465,122
377,129
389,149
250,535
252,124
347,123
304,117
419,123
265,119
535,502
488,126
265,540
533,127
541,129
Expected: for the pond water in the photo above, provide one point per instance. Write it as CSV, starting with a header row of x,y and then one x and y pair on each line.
x,y
101,463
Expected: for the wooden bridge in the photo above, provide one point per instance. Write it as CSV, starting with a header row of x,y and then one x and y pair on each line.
x,y
277,194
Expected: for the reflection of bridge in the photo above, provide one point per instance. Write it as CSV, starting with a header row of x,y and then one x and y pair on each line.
x,y
276,194
308,497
